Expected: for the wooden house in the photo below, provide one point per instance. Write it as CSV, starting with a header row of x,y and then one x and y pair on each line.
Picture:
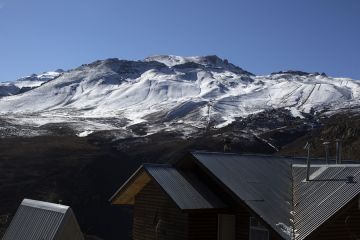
x,y
229,196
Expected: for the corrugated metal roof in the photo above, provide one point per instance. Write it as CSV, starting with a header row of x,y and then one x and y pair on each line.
x,y
187,192
320,198
36,220
276,190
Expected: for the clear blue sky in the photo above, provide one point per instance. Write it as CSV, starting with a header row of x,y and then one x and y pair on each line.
x,y
261,36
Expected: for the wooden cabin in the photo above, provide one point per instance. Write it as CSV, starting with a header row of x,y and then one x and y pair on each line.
x,y
218,196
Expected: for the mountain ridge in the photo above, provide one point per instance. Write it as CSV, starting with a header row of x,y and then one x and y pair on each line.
x,y
24,84
168,91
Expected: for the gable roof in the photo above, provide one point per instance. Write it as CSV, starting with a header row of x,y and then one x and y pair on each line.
x,y
36,220
276,190
187,192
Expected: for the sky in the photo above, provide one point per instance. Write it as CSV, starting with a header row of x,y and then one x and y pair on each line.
x,y
261,36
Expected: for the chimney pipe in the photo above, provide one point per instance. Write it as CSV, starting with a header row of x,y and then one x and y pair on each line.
x,y
227,145
326,145
338,151
307,146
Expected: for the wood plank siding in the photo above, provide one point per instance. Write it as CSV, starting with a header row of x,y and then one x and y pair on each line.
x,y
203,225
153,209
153,205
242,223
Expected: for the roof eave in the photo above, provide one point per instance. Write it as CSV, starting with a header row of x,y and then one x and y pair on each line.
x,y
125,186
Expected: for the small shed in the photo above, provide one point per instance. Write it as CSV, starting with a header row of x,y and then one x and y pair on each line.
x,y
35,220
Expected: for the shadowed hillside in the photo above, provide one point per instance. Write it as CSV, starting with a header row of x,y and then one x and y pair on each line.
x,y
67,170
85,172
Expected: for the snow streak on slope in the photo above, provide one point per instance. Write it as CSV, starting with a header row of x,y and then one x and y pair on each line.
x,y
175,89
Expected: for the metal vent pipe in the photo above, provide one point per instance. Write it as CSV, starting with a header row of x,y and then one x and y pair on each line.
x,y
307,146
338,151
326,145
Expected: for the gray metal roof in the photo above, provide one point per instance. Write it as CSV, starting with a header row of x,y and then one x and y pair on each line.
x,y
274,188
36,220
328,190
185,190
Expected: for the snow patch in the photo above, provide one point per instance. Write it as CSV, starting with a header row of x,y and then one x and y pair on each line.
x,y
288,230
85,133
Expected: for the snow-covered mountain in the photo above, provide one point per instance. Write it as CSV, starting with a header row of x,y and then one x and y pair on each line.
x,y
167,90
27,83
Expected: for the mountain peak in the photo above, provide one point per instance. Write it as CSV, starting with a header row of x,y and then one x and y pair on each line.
x,y
298,73
212,61
172,60
59,70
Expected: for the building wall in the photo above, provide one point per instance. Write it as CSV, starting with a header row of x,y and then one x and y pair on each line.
x,y
153,209
203,225
152,205
336,228
70,229
242,223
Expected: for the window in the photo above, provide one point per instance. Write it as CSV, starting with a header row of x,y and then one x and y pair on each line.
x,y
226,227
257,230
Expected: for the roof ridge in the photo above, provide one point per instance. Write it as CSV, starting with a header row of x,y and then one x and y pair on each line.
x,y
157,165
45,205
345,161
